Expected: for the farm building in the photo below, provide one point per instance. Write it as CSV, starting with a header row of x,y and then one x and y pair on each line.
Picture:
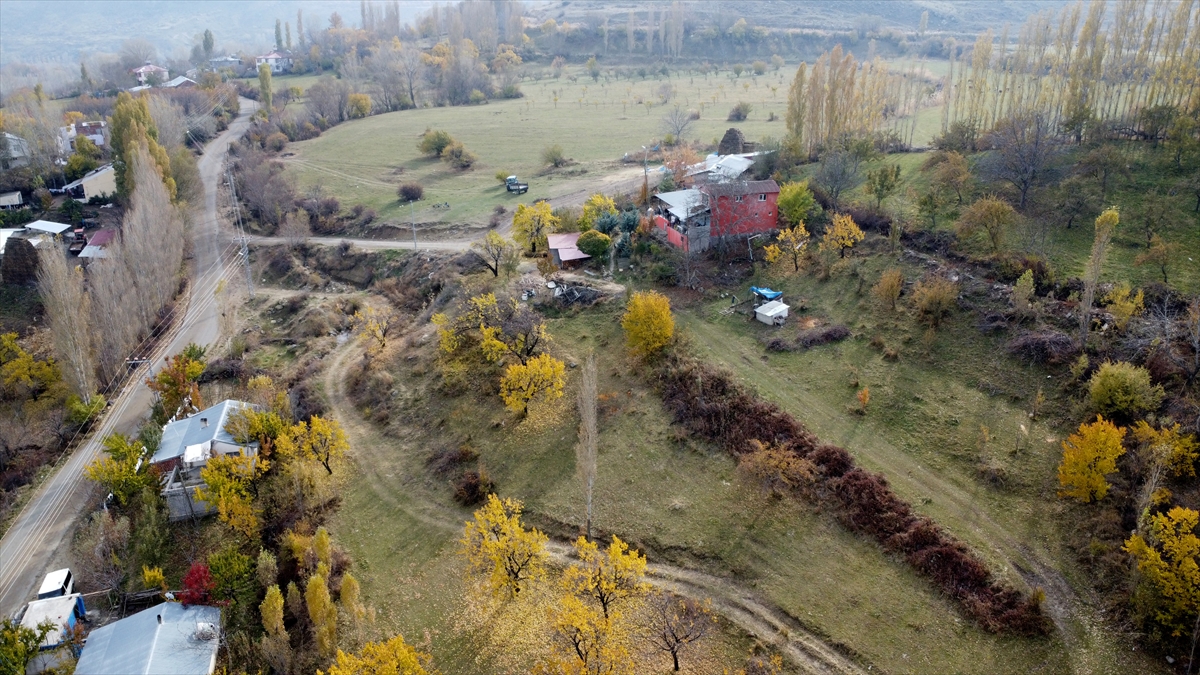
x,y
11,200
95,245
47,226
101,182
693,218
185,449
168,638
563,250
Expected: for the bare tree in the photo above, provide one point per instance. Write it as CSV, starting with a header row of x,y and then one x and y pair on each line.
x,y
329,98
101,551
585,451
677,122
68,312
1171,336
1106,225
136,52
1025,147
410,66
676,622
837,173
169,120
295,229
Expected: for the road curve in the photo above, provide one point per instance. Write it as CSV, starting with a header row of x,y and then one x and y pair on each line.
x,y
44,524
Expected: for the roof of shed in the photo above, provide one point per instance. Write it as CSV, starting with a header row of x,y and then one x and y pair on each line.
x,y
169,639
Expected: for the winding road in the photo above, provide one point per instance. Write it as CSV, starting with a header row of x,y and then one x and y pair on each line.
x,y
44,525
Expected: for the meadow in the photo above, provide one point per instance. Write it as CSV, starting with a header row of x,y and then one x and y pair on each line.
x,y
597,123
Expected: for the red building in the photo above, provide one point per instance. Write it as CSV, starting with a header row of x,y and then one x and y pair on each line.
x,y
693,218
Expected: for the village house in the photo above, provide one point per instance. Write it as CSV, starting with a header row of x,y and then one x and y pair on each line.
x,y
11,200
168,638
279,62
100,182
14,151
185,449
181,82
96,132
693,219
150,74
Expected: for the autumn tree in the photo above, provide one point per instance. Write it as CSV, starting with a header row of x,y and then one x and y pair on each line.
x,y
796,202
1123,391
994,217
596,206
323,615
1161,254
132,129
1025,146
117,471
228,484
1123,304
1169,446
394,656
934,298
1168,558
882,183
887,289
496,252
67,307
275,645
648,322
531,224
948,171
176,383
321,440
841,235
374,325
541,377
793,242
585,642
607,578
1106,226
677,622
497,545
1088,456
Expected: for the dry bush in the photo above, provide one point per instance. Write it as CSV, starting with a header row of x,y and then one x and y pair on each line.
x,y
823,335
1048,346
448,459
473,487
934,298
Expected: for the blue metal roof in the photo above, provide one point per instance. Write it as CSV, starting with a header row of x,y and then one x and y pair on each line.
x,y
169,639
206,425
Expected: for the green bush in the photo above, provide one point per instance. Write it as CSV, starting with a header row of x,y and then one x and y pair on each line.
x,y
554,156
433,142
594,243
477,97
80,413
1122,391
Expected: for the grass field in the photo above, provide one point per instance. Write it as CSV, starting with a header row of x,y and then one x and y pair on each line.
x,y
934,420
596,123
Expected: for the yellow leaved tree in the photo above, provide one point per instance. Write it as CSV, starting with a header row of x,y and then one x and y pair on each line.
x,y
1168,559
793,242
648,322
596,206
1169,446
227,484
531,224
1088,456
585,643
541,377
320,439
394,657
497,545
841,235
606,578
373,325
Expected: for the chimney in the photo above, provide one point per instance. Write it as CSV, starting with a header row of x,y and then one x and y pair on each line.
x,y
160,619
204,422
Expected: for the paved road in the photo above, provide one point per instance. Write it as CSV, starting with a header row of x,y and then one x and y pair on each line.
x,y
43,526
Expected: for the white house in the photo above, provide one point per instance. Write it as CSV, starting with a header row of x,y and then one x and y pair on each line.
x,y
99,182
148,71
14,152
280,62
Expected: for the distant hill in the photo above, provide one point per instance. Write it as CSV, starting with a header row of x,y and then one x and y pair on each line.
x,y
960,16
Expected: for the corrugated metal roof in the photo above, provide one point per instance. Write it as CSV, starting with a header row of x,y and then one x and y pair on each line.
x,y
203,427
59,611
47,226
170,639
11,198
566,245
742,188
683,203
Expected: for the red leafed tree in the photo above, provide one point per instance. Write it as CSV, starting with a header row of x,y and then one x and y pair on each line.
x,y
198,585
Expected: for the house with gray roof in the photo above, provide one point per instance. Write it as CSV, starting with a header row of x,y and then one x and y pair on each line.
x,y
185,449
169,639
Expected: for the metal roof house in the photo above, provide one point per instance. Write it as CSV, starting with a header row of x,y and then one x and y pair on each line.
x,y
63,611
169,639
99,182
185,449
564,249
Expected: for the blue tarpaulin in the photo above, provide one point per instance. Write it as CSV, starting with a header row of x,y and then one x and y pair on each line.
x,y
765,293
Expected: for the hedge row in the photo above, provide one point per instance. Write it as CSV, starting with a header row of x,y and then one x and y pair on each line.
x,y
710,404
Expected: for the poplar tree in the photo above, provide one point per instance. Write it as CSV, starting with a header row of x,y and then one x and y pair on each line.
x,y
1106,225
278,35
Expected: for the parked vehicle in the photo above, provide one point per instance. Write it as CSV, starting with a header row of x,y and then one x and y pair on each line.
x,y
78,242
56,583
513,185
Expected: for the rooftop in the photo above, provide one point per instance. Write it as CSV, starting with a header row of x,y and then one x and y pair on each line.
x,y
88,176
204,427
47,226
58,611
565,244
11,199
169,639
741,188
684,203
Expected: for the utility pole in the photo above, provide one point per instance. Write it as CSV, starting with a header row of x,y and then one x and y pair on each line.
x,y
245,252
413,222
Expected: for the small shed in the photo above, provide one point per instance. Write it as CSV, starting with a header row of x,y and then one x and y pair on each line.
x,y
564,250
168,638
11,200
773,313
63,611
95,246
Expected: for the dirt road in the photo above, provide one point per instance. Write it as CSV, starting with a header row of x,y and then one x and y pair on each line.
x,y
44,525
736,604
